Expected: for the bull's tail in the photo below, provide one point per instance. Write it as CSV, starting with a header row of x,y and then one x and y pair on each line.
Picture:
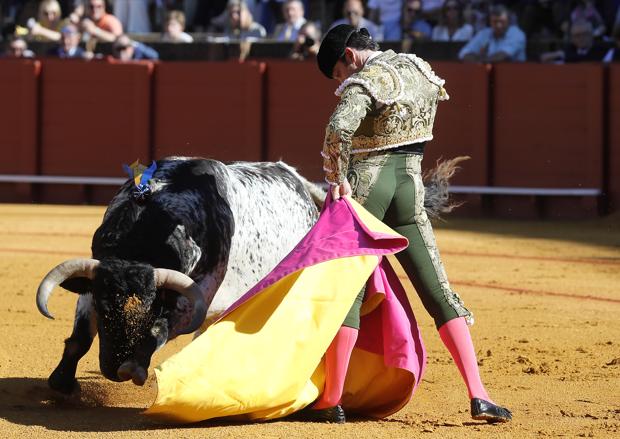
x,y
436,183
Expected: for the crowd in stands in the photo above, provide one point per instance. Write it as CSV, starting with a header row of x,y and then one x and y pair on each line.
x,y
489,31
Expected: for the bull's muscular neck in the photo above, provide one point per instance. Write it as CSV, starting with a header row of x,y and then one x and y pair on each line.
x,y
184,226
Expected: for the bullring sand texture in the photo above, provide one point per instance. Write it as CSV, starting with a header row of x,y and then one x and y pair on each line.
x,y
546,298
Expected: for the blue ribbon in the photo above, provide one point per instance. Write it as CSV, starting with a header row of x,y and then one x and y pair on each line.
x,y
141,176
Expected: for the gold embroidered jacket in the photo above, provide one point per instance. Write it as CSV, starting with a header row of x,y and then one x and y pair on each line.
x,y
390,102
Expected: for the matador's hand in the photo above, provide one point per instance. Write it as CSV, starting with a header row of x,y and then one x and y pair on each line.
x,y
341,190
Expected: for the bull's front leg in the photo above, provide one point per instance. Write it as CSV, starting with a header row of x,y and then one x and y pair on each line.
x,y
84,331
136,369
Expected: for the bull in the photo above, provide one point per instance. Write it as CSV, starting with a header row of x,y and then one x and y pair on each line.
x,y
157,261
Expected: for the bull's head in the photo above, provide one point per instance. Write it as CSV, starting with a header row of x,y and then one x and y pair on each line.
x,y
127,305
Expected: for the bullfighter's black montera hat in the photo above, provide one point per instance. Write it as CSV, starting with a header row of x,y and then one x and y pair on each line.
x,y
332,47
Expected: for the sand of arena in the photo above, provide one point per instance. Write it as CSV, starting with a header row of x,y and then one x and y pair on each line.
x,y
546,297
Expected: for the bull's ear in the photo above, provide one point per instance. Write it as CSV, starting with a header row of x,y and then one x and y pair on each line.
x,y
80,285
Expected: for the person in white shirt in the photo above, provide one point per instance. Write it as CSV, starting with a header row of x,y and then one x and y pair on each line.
x,y
174,28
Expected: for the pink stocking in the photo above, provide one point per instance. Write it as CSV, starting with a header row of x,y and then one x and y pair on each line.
x,y
336,364
455,335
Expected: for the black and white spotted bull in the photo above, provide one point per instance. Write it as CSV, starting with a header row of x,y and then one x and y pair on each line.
x,y
157,262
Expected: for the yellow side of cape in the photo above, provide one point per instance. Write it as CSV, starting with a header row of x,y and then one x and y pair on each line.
x,y
248,365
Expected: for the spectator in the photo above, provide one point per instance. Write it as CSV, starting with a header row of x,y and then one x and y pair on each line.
x,y
69,44
476,13
499,42
241,24
586,11
125,49
48,23
17,12
174,28
307,42
211,16
133,15
293,11
18,48
581,47
353,14
545,19
432,9
414,26
452,26
388,14
97,22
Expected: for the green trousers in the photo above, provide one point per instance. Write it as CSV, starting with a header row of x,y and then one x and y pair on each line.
x,y
389,185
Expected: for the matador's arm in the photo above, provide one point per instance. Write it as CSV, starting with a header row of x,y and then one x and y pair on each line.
x,y
355,103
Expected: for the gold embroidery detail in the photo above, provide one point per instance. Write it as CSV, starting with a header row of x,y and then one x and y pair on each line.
x,y
363,173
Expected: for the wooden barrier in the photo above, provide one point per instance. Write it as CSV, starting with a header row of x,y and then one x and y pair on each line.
x,y
18,124
210,110
299,102
95,117
461,124
613,159
87,118
547,126
462,128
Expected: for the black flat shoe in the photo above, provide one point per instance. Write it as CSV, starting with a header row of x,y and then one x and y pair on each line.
x,y
482,410
331,414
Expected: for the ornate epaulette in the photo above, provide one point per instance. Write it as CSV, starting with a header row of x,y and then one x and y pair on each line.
x,y
380,79
427,71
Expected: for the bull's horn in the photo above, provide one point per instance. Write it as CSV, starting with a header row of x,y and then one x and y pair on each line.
x,y
66,270
184,285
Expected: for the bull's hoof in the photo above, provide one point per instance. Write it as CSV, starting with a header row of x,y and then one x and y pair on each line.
x,y
62,384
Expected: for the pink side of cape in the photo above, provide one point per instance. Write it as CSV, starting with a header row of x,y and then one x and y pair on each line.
x,y
391,329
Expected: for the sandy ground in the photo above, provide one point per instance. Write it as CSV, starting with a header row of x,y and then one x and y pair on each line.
x,y
546,297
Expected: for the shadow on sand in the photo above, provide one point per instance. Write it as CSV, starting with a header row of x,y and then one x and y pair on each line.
x,y
29,401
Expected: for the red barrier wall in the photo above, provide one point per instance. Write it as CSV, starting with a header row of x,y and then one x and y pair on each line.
x,y
548,125
547,128
461,124
299,102
95,117
18,124
210,110
462,128
613,164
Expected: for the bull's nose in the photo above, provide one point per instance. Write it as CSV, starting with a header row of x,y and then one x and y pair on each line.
x,y
130,370
111,373
125,372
